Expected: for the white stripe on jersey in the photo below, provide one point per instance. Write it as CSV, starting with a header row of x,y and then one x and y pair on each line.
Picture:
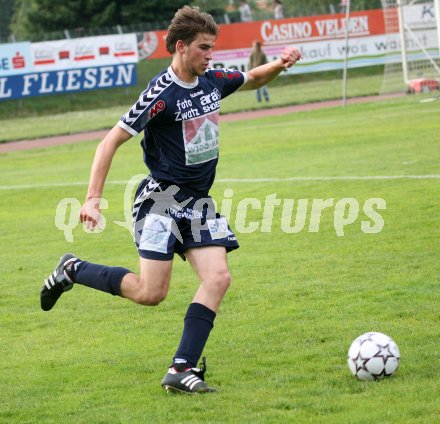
x,y
146,99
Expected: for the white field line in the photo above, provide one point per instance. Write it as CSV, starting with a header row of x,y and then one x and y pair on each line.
x,y
243,180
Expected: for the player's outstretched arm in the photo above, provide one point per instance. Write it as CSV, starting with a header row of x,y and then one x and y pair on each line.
x,y
262,75
100,168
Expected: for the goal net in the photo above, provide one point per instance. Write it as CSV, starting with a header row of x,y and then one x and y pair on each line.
x,y
412,36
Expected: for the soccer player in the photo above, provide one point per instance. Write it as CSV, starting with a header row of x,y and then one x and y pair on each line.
x,y
172,211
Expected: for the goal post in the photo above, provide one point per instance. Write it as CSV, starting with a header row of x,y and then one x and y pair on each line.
x,y
401,21
414,27
437,18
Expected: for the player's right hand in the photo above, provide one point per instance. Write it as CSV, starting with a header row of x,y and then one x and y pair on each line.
x,y
90,213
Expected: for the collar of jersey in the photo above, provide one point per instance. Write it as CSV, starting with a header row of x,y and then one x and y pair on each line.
x,y
178,81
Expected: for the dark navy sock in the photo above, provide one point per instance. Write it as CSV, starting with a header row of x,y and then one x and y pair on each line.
x,y
198,323
100,277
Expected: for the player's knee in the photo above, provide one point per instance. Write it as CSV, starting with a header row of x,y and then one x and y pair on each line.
x,y
227,280
150,298
221,281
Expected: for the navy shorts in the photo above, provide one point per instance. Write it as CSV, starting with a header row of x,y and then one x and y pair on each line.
x,y
166,220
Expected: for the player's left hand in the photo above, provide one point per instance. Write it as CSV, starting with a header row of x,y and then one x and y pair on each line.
x,y
290,56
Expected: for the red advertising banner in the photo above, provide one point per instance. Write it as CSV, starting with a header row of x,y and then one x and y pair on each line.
x,y
279,32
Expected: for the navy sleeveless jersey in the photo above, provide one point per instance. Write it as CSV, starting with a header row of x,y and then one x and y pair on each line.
x,y
180,124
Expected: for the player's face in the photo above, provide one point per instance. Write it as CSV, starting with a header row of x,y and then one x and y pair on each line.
x,y
198,54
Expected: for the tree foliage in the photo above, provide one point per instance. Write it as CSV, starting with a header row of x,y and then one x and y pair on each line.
x,y
311,7
35,18
6,11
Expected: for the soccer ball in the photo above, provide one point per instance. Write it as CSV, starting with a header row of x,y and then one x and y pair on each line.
x,y
373,356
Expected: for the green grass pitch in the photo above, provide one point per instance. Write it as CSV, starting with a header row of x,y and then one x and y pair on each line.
x,y
278,349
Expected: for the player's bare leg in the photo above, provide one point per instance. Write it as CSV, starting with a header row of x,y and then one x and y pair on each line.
x,y
211,267
151,287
